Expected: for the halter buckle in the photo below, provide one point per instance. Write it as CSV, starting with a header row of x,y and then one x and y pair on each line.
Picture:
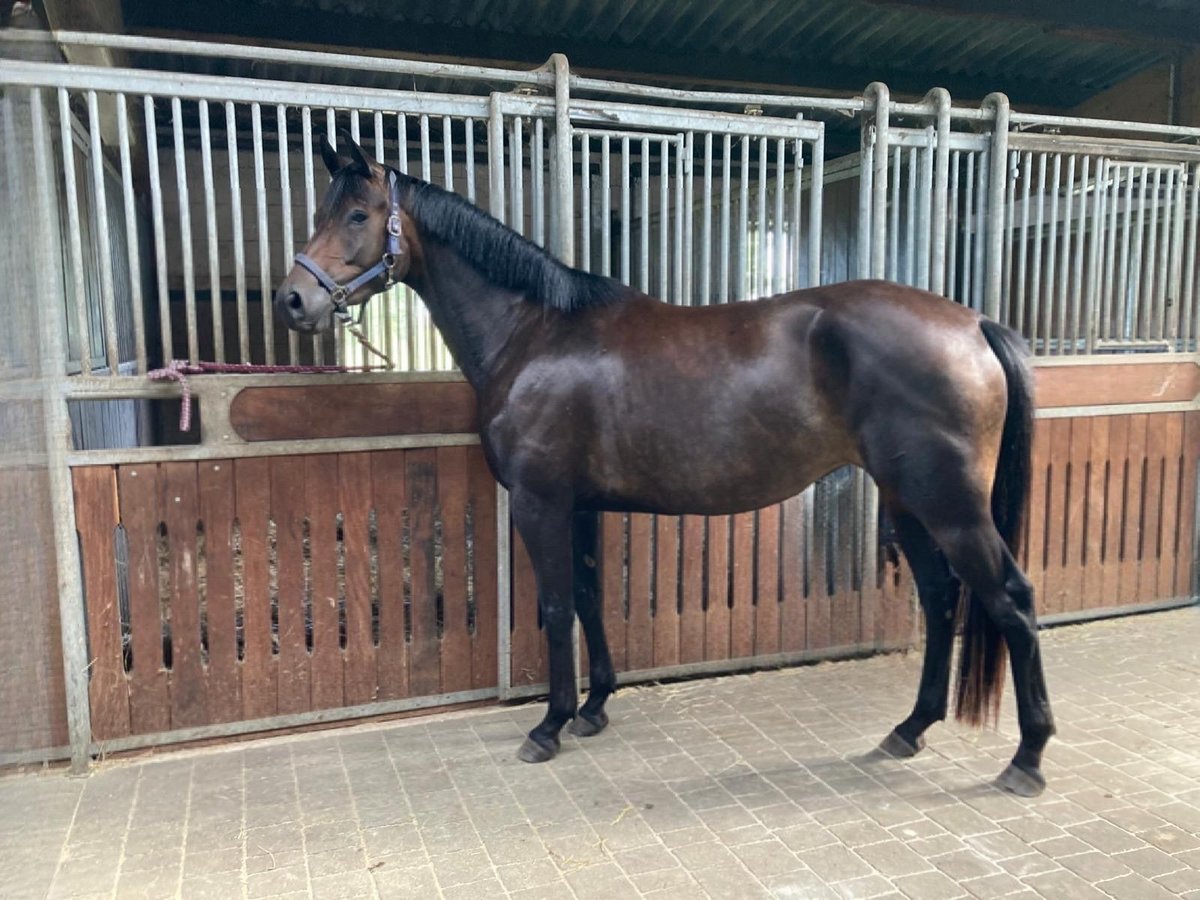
x,y
394,226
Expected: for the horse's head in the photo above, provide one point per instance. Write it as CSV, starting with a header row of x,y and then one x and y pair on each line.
x,y
359,245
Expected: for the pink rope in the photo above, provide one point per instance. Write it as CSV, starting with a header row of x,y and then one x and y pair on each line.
x,y
178,370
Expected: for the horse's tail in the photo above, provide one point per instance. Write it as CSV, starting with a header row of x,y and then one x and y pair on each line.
x,y
981,664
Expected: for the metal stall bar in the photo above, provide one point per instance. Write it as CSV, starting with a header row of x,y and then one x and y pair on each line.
x,y
239,249
74,230
131,235
108,301
210,222
995,204
71,610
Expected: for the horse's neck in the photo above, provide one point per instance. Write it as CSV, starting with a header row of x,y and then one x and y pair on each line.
x,y
477,320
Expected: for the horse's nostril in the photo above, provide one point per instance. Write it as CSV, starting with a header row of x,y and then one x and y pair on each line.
x,y
294,302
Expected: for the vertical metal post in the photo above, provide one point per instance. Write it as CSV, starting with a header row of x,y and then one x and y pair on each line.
x,y
940,98
503,525
71,613
880,185
995,224
131,235
564,172
816,195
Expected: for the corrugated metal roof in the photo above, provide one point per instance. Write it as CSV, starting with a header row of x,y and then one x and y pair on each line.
x,y
740,40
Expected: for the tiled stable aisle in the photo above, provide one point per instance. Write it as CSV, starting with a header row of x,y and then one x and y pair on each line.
x,y
748,786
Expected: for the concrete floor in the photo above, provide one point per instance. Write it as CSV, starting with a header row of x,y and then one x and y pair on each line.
x,y
748,786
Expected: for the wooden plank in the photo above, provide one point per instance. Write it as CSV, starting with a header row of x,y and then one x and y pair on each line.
x,y
179,503
1172,501
691,618
766,588
793,607
421,484
666,591
293,679
1056,516
1035,532
216,503
482,497
741,613
818,609
1114,525
252,479
639,635
1127,585
1152,508
452,502
1185,534
1111,384
321,487
149,700
528,646
1092,589
359,683
391,658
297,412
96,520
1075,532
716,613
845,604
613,585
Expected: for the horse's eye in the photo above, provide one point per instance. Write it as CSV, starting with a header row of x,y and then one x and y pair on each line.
x,y
358,217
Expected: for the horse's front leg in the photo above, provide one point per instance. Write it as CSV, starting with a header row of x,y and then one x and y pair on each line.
x,y
545,526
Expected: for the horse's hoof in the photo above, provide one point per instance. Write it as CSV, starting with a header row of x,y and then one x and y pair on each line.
x,y
895,744
536,752
1021,782
584,725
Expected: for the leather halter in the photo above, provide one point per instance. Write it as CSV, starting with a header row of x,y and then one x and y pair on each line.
x,y
339,293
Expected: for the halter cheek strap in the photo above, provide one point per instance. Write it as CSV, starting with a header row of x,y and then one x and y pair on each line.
x,y
340,293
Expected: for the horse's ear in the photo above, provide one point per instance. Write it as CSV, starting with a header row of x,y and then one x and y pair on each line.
x,y
333,162
356,155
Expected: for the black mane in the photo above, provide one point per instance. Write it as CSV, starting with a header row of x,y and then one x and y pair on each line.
x,y
502,256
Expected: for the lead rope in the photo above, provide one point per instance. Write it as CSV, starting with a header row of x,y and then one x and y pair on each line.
x,y
350,326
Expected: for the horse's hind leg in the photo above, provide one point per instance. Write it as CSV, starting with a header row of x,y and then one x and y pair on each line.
x,y
979,556
591,718
938,590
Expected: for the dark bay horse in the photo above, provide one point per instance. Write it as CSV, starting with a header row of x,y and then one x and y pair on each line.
x,y
594,396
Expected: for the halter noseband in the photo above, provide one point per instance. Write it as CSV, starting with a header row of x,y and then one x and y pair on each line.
x,y
339,293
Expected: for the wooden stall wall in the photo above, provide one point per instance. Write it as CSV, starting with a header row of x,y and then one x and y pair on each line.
x,y
232,590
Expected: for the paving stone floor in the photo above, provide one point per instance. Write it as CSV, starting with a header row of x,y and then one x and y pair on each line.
x,y
747,786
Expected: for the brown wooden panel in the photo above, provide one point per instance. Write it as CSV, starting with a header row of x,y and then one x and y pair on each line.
x,y
639,634
1114,524
766,590
691,619
359,683
149,700
1075,533
1172,444
391,658
217,512
741,614
845,604
293,679
179,503
1127,588
612,585
1056,515
252,478
1187,508
1149,549
452,502
1092,586
1106,384
96,520
1035,531
482,495
818,611
296,412
666,591
792,613
421,484
716,614
528,645
321,487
